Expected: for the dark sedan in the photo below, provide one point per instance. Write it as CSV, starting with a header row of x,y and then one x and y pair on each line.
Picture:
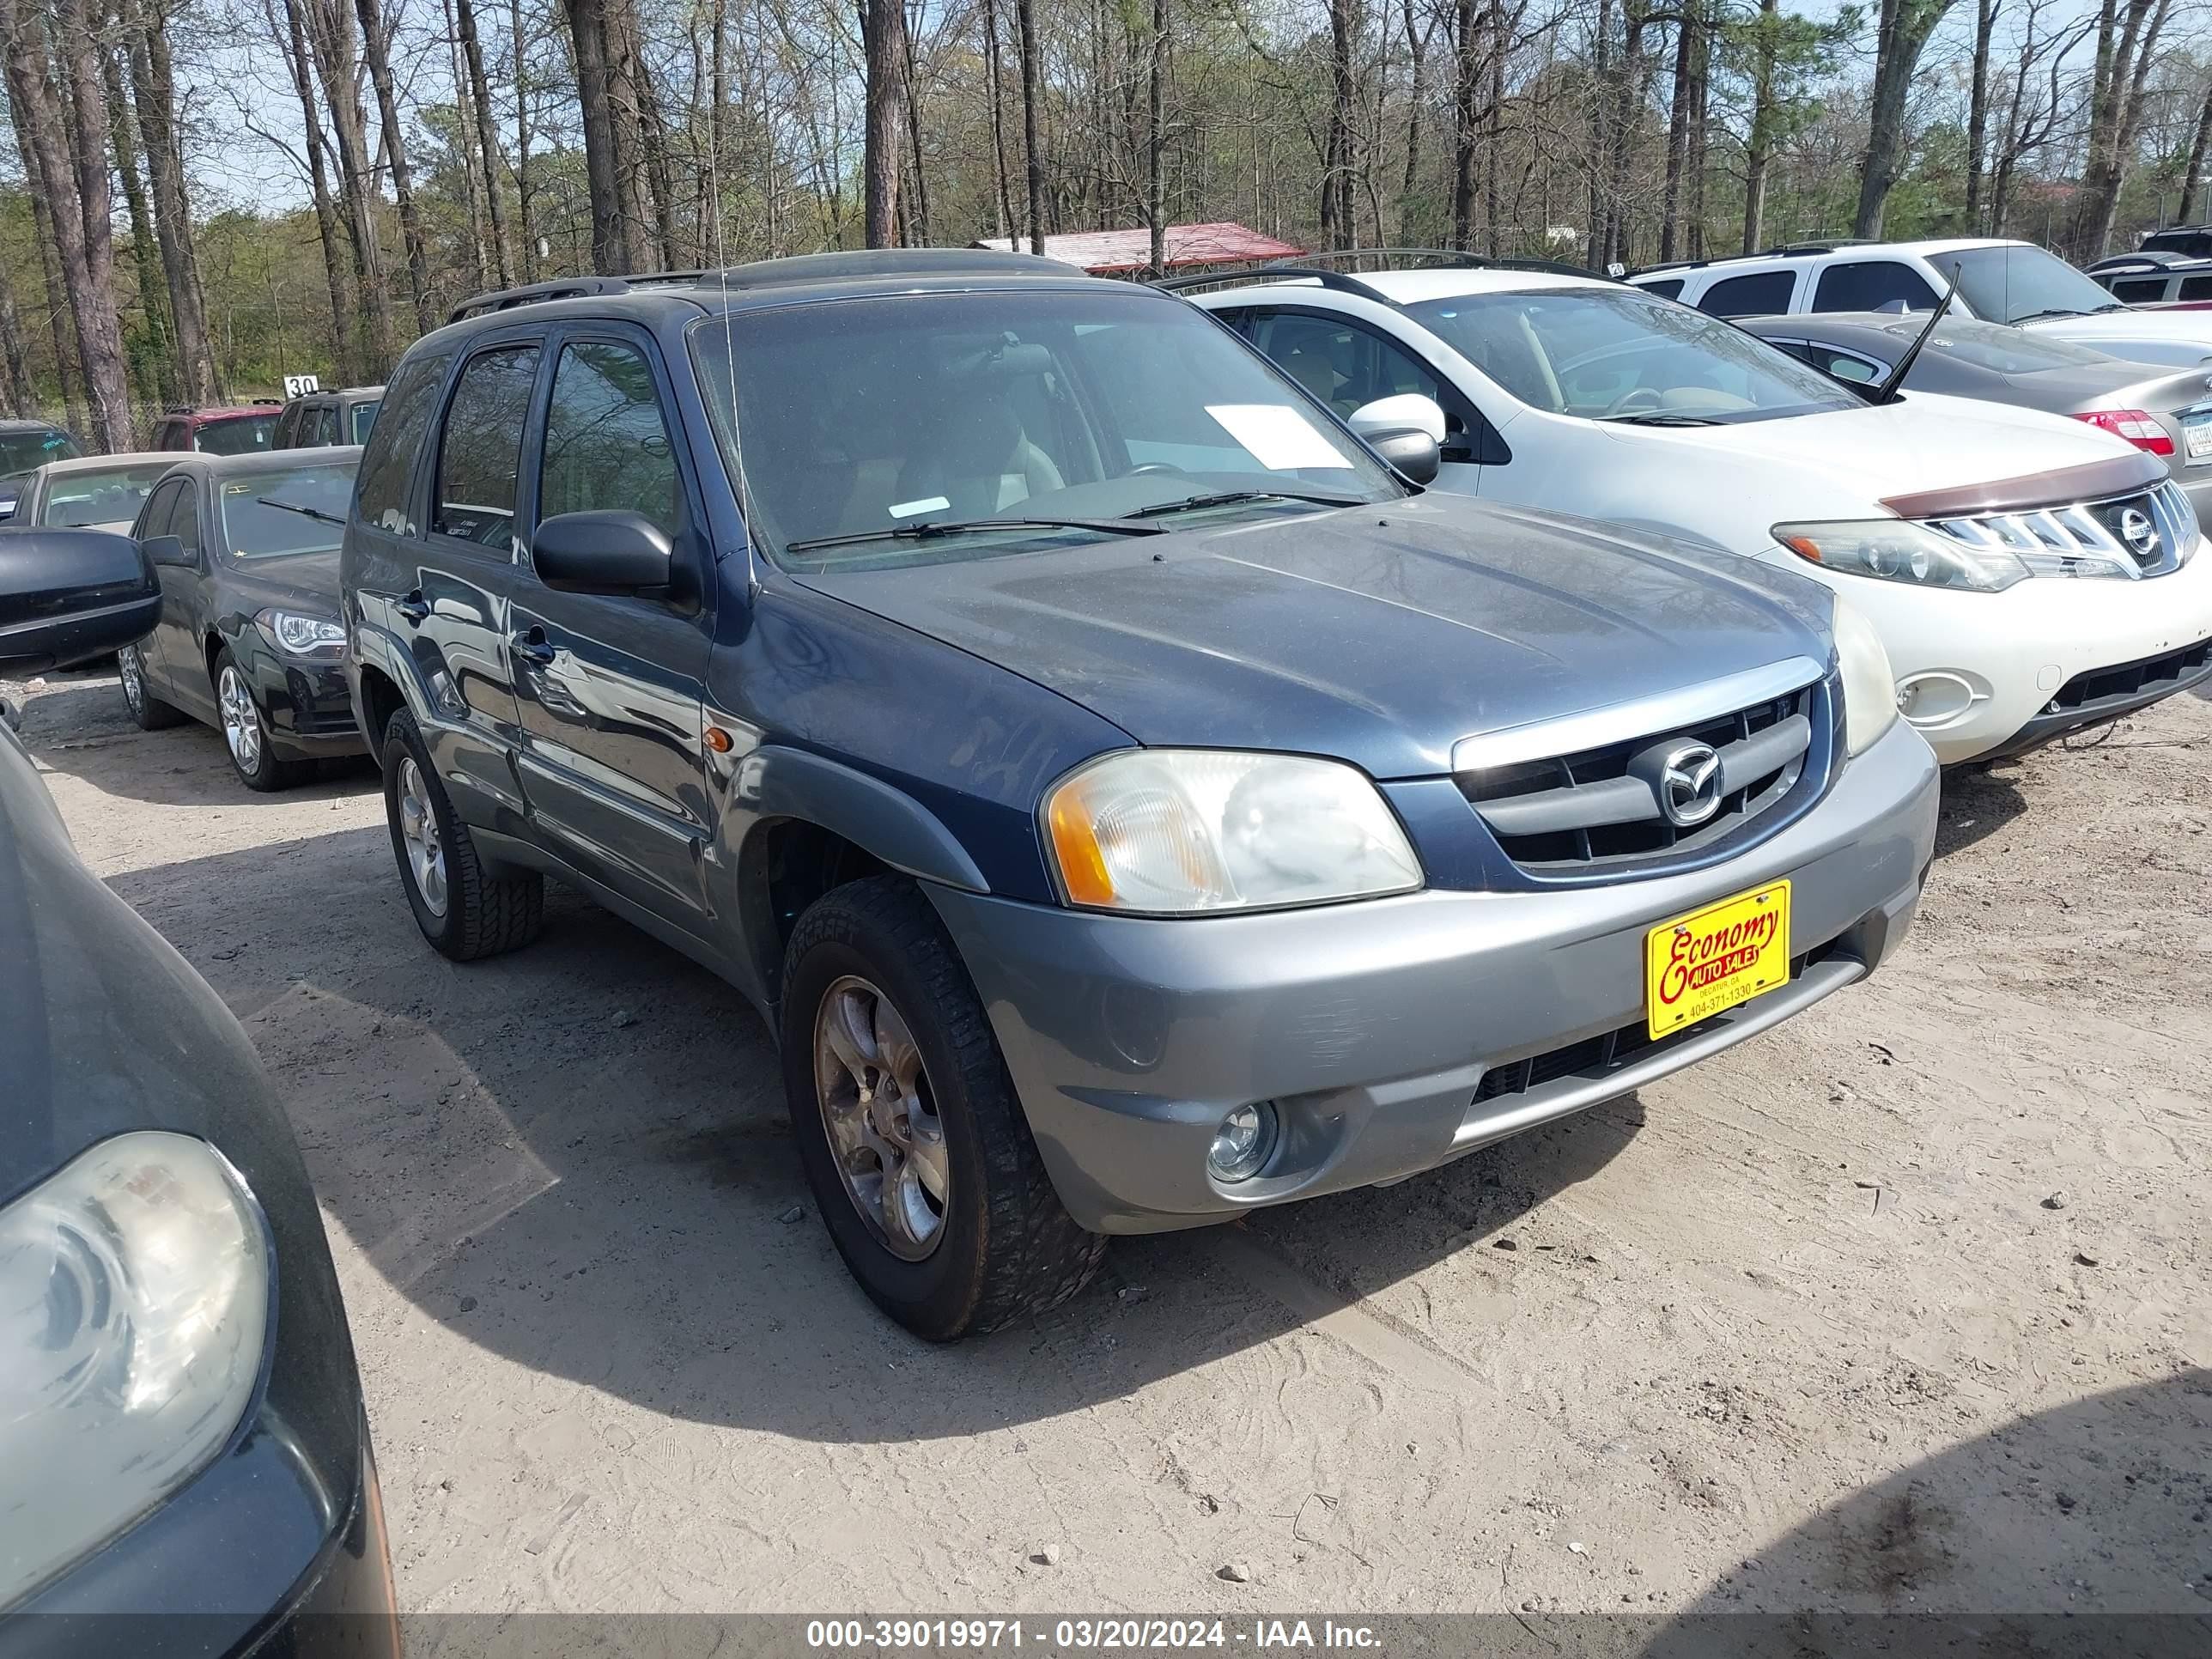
x,y
2166,412
187,1461
249,640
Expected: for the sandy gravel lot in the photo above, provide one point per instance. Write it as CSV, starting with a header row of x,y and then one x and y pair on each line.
x,y
1903,1306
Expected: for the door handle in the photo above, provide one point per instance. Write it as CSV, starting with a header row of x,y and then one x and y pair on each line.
x,y
533,647
414,610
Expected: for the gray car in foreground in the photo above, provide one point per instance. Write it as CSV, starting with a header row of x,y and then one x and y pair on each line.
x,y
1128,799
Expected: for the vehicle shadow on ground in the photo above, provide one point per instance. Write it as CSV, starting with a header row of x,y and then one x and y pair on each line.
x,y
577,1156
1975,805
2015,1519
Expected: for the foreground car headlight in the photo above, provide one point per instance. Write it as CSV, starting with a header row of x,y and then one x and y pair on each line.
x,y
1899,550
303,637
1168,831
134,1302
1869,688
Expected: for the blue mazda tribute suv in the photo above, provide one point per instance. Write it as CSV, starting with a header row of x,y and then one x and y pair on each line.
x,y
1128,797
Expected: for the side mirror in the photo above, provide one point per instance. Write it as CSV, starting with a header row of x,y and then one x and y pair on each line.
x,y
68,596
167,550
602,553
1407,430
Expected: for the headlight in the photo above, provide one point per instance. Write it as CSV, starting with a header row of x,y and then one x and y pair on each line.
x,y
1165,831
303,637
134,1299
1899,550
1869,689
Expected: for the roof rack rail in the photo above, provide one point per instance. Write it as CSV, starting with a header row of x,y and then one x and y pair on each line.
x,y
860,264
1817,244
1310,268
560,288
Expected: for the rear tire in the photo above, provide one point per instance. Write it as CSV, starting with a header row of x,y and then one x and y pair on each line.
x,y
465,910
245,733
149,710
1002,1246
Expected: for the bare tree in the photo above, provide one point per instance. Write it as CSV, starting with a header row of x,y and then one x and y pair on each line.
x,y
2193,172
376,46
299,63
1902,36
153,85
464,20
882,39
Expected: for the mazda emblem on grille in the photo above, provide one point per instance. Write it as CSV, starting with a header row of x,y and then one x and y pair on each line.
x,y
1690,784
2139,532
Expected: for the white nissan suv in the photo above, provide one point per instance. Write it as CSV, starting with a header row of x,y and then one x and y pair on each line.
x,y
2029,575
2000,281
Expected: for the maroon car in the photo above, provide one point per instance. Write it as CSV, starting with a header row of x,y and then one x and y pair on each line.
x,y
237,429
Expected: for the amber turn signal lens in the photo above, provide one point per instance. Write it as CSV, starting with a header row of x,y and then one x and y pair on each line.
x,y
1075,845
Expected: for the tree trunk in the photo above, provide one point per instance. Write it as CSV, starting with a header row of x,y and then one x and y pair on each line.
x,y
522,200
1338,229
1678,137
627,98
882,38
154,87
15,360
1466,105
1025,20
300,61
331,41
1006,200
1416,50
1978,110
1759,151
472,172
919,198
1904,31
2122,110
465,21
73,175
154,368
377,44
1156,141
588,33
2193,174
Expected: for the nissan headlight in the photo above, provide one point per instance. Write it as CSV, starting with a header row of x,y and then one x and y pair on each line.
x,y
1869,689
1181,832
1900,551
303,637
134,1302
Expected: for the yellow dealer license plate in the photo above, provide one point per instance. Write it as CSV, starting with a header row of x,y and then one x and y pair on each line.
x,y
1727,953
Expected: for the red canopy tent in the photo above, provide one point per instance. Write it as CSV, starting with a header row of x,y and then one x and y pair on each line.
x,y
1116,252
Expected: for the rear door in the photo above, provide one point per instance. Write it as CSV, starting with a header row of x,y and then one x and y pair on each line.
x,y
611,689
180,635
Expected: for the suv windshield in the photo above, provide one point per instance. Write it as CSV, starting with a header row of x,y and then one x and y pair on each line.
x,y
110,496
1618,354
293,509
864,417
21,450
238,435
2014,283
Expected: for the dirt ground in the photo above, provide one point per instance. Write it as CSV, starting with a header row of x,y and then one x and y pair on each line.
x,y
1903,1306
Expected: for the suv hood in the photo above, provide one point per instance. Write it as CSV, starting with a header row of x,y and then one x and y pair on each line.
x,y
1925,441
1379,635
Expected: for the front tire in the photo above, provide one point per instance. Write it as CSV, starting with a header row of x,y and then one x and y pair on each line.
x,y
465,910
245,733
916,1148
151,714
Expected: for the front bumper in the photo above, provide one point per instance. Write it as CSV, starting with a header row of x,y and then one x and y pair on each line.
x,y
1371,1026
308,705
2016,650
255,1555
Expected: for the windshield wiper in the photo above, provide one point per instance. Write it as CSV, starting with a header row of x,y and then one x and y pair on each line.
x,y
1230,497
307,512
928,528
1659,418
2055,311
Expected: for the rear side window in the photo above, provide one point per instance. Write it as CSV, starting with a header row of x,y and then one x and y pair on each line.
x,y
1671,288
1750,296
606,447
326,424
480,453
2136,290
156,512
389,465
185,517
1870,284
364,417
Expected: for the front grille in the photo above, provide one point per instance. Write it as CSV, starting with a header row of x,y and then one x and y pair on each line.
x,y
2163,524
1601,808
2131,679
1610,1051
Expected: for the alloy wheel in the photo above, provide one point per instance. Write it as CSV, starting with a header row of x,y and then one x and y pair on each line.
x,y
242,720
881,1116
418,833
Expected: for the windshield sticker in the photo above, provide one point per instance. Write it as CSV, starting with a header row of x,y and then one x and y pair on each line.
x,y
925,504
1280,439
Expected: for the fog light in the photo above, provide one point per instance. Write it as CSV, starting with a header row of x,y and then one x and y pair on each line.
x,y
1241,1143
